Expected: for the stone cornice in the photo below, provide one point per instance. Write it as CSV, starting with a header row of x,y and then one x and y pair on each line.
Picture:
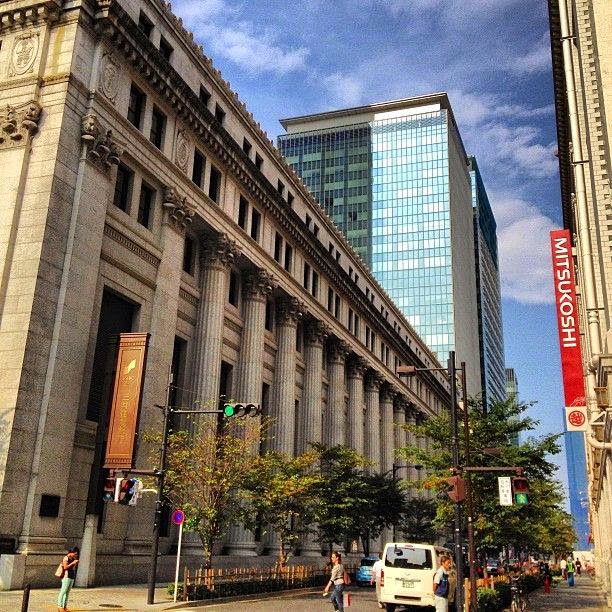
x,y
17,15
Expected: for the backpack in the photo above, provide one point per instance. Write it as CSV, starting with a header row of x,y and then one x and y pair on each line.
x,y
442,588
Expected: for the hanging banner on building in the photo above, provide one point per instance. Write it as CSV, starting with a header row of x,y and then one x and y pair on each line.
x,y
127,395
569,330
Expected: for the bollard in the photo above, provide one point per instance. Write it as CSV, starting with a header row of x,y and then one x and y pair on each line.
x,y
26,597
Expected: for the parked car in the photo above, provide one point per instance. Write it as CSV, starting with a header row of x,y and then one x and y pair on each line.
x,y
363,575
492,566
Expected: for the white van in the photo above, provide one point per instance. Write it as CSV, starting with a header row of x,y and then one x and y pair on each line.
x,y
407,574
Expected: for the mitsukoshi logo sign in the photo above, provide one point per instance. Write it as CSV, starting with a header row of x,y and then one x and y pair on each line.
x,y
569,331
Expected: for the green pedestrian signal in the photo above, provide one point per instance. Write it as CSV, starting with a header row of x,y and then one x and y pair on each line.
x,y
240,410
520,490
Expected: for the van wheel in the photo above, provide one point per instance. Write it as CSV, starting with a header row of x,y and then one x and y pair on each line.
x,y
390,607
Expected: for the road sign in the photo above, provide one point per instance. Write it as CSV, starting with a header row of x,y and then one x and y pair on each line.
x,y
504,484
178,516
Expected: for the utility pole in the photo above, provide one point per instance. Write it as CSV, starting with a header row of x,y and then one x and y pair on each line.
x,y
452,372
469,498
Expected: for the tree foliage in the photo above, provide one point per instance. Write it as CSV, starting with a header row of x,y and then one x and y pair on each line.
x,y
206,473
280,492
523,527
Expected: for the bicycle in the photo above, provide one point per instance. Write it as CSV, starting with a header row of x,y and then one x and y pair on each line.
x,y
519,599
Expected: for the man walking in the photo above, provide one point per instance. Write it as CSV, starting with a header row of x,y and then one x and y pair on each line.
x,y
570,572
376,572
441,584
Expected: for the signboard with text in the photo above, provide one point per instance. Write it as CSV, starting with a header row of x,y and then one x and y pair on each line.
x,y
127,395
504,484
568,325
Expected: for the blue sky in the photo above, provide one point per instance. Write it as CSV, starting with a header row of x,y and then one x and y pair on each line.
x,y
491,56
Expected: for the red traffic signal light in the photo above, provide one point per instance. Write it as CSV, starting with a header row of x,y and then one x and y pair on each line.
x,y
457,490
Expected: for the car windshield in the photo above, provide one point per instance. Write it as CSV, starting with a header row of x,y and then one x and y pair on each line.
x,y
367,562
408,557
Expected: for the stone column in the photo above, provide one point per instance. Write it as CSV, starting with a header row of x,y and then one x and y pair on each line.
x,y
218,254
399,420
355,433
289,311
420,442
256,287
387,439
411,441
372,435
335,430
310,421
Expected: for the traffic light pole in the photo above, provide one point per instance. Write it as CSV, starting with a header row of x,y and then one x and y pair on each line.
x,y
452,372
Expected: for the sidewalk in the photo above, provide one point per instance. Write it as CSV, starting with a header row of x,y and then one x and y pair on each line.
x,y
120,597
584,596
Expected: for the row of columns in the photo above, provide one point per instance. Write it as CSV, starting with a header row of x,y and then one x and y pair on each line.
x,y
368,424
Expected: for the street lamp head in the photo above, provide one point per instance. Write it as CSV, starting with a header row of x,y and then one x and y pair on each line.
x,y
406,370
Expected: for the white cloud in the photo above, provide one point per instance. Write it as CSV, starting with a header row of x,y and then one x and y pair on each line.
x,y
524,250
533,61
344,90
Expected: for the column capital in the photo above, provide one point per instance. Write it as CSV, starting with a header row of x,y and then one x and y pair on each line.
x,y
338,350
316,332
219,251
179,212
401,403
357,367
102,149
389,392
258,284
19,123
374,380
289,310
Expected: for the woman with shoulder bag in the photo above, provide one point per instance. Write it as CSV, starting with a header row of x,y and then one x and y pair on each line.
x,y
336,581
67,572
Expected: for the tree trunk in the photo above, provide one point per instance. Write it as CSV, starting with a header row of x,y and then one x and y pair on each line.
x,y
207,543
282,555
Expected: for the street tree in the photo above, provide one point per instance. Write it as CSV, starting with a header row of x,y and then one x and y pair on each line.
x,y
354,503
492,444
281,492
206,472
417,521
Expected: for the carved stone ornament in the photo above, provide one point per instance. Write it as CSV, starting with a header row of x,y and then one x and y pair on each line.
x,y
25,52
338,350
388,392
316,332
258,284
102,150
289,310
373,380
181,154
109,76
219,251
18,123
179,211
357,367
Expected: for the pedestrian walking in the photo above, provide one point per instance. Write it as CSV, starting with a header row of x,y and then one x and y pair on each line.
x,y
336,582
578,567
441,584
570,572
377,569
67,574
563,566
547,578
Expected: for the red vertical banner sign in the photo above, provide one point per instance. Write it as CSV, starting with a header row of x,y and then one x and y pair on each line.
x,y
569,330
127,396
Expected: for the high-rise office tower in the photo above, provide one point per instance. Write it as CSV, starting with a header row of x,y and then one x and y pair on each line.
x,y
490,329
395,179
512,393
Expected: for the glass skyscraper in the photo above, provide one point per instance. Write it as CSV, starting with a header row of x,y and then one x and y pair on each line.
x,y
492,363
394,178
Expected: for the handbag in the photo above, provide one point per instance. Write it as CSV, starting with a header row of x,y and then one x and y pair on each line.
x,y
59,572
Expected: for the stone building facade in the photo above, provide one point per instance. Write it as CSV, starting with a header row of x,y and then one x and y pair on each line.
x,y
139,194
581,43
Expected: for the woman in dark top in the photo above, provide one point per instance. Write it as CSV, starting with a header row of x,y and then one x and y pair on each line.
x,y
336,581
69,563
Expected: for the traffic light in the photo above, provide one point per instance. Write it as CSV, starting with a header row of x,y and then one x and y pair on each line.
x,y
109,490
457,490
520,490
240,410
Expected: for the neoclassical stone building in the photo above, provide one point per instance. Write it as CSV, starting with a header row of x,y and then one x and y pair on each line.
x,y
137,193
